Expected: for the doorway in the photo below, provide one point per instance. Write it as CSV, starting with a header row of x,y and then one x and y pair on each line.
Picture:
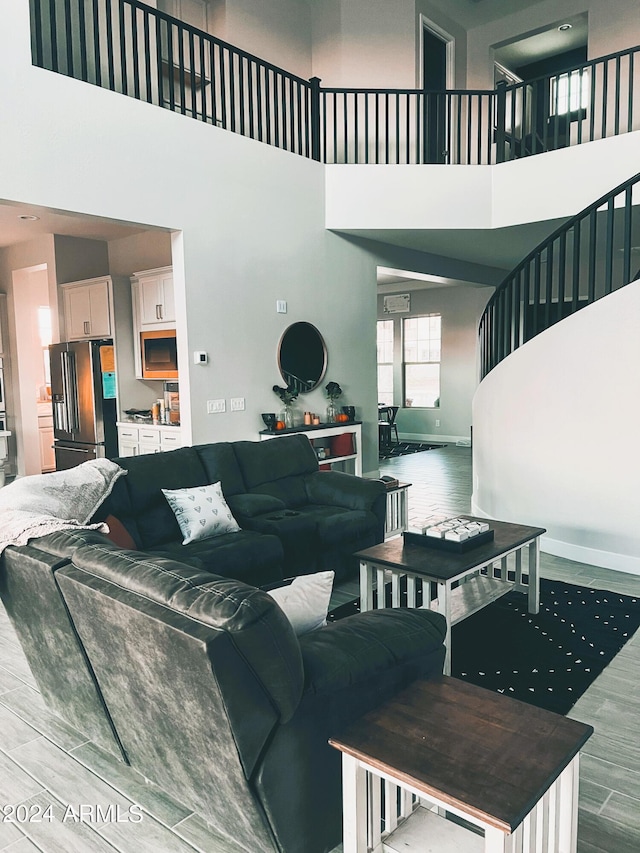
x,y
33,415
436,76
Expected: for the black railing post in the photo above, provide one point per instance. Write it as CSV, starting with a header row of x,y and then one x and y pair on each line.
x,y
501,122
314,117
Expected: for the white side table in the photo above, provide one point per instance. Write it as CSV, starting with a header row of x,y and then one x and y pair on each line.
x,y
397,518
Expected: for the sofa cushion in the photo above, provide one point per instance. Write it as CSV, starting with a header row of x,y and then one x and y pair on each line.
x,y
220,463
260,631
289,490
201,512
335,524
141,506
250,506
359,646
251,557
297,533
262,462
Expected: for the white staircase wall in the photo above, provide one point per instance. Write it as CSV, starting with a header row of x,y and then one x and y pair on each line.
x,y
555,435
535,189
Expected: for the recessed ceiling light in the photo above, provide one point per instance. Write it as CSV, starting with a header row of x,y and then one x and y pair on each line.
x,y
564,27
28,217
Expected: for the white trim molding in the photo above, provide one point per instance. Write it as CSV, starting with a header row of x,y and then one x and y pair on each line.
x,y
591,556
443,439
580,553
427,24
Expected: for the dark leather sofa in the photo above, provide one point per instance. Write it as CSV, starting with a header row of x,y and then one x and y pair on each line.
x,y
194,675
295,519
215,699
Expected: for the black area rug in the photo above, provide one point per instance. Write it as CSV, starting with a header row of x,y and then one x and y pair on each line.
x,y
549,659
406,447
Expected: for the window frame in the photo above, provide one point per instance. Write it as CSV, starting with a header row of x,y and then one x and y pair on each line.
x,y
406,363
391,364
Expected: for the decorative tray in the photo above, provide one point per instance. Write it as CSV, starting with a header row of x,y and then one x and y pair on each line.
x,y
411,538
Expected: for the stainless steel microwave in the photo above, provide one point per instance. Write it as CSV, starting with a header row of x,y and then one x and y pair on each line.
x,y
159,354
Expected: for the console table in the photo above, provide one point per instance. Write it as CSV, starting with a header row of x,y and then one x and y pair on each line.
x,y
327,431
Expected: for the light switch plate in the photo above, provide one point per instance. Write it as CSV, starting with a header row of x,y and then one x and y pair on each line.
x,y
216,406
237,404
281,306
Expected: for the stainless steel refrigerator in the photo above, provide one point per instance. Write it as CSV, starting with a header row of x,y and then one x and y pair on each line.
x,y
84,403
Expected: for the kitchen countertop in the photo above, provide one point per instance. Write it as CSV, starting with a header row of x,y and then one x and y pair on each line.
x,y
146,425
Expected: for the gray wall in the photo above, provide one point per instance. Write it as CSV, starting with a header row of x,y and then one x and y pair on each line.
x,y
248,229
461,308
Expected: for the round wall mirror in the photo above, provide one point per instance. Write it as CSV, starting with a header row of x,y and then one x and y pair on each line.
x,y
302,357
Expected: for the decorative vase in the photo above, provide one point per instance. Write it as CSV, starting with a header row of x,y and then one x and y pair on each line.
x,y
331,412
287,416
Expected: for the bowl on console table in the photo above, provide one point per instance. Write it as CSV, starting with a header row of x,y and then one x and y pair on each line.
x,y
269,419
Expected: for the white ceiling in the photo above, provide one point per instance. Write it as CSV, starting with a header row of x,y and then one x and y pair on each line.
x,y
501,248
15,230
544,43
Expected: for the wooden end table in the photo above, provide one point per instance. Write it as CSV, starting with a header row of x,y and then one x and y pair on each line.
x,y
465,582
463,767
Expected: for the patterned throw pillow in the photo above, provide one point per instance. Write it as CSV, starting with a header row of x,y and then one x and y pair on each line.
x,y
201,512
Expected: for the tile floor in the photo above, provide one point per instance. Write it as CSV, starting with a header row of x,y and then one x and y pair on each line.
x,y
609,820
45,762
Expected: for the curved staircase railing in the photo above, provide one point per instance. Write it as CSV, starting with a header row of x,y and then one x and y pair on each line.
x,y
139,51
594,253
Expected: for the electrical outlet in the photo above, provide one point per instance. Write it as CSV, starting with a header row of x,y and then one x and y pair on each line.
x,y
237,404
437,422
216,406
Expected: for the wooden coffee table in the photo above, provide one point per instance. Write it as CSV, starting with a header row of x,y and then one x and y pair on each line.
x,y
464,582
462,768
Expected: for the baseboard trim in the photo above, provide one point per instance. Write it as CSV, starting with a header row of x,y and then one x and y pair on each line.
x,y
441,439
591,556
580,553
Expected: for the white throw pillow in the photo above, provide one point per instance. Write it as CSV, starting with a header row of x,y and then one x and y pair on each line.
x,y
305,601
201,512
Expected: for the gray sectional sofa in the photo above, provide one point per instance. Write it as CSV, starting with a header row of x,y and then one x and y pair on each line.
x,y
173,658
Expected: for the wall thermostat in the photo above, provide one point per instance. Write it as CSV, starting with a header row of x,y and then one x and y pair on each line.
x,y
200,358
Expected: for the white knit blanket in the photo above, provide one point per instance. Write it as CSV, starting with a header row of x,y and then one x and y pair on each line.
x,y
63,500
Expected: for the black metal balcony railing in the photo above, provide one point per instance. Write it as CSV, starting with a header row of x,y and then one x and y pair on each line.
x,y
131,48
139,51
590,256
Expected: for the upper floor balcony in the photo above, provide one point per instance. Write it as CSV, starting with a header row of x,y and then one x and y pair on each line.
x,y
139,51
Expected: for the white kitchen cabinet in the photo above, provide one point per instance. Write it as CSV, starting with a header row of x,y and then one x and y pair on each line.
x,y
136,439
87,307
127,440
45,436
3,320
153,290
148,440
170,440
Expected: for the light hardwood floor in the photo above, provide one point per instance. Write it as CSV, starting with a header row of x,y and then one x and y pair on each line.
x,y
43,761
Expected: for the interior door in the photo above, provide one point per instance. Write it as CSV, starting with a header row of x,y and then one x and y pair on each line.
x,y
434,83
